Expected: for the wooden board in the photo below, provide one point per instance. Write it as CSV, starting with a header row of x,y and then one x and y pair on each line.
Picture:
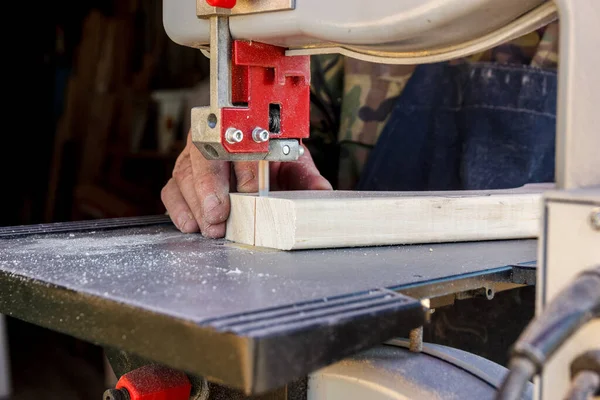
x,y
312,220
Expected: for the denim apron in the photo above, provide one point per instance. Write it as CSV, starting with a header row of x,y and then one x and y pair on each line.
x,y
470,126
467,126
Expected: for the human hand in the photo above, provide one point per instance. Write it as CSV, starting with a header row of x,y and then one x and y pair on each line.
x,y
197,196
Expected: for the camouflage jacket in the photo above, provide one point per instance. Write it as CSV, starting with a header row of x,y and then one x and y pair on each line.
x,y
351,100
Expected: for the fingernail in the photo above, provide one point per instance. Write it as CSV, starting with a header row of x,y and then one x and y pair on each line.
x,y
210,203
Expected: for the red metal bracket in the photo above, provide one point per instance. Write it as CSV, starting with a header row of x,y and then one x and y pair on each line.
x,y
155,382
263,79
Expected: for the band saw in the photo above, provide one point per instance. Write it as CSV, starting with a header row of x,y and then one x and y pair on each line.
x,y
181,316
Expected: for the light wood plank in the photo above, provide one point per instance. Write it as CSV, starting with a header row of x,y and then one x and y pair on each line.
x,y
312,220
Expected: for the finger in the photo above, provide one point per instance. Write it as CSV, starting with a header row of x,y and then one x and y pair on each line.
x,y
184,178
246,175
302,175
211,183
177,207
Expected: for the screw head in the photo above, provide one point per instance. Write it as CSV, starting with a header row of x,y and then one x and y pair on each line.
x,y
233,135
260,135
595,218
286,149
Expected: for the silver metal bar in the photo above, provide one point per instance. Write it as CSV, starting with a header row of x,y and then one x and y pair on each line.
x,y
220,63
206,124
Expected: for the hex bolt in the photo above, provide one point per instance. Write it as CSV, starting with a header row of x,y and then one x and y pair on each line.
x,y
286,150
595,218
260,135
233,135
415,343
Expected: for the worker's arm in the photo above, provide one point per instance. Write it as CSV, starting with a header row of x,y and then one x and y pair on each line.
x,y
197,196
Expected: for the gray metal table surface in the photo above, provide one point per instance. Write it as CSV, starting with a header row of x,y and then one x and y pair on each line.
x,y
202,305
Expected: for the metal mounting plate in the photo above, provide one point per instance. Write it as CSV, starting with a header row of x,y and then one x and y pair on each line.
x,y
244,7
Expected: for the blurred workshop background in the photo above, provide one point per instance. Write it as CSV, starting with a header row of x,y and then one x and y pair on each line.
x,y
95,122
98,107
110,111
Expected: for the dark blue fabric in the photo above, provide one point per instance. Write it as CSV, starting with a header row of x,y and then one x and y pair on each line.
x,y
467,126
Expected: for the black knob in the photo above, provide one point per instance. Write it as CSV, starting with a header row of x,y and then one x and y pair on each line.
x,y
116,394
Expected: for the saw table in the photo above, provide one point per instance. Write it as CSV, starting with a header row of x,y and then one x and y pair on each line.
x,y
240,316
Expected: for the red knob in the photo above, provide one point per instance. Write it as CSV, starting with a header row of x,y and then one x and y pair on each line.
x,y
152,382
221,3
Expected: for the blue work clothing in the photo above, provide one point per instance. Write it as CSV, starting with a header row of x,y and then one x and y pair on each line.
x,y
465,127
